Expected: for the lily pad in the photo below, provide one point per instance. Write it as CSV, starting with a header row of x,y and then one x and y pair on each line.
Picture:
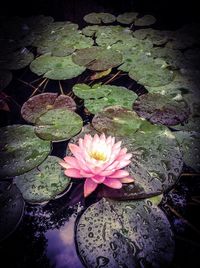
x,y
157,159
146,20
161,109
127,17
118,121
192,124
17,60
97,59
11,208
56,68
98,18
39,104
43,183
5,78
151,73
117,96
124,234
58,125
157,37
97,91
21,150
190,143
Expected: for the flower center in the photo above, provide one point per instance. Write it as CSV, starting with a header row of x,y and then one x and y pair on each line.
x,y
98,155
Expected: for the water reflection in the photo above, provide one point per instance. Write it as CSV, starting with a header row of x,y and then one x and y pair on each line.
x,y
61,249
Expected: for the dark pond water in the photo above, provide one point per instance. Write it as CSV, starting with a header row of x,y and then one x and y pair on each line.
x,y
45,237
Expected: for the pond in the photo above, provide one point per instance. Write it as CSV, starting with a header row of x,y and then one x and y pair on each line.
x,y
100,137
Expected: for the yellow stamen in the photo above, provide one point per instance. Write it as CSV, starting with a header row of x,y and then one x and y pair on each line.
x,y
98,155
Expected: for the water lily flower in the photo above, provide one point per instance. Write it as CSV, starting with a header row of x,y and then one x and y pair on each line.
x,y
99,160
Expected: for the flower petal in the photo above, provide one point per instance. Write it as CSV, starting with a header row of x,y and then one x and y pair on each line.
x,y
89,187
71,162
72,172
113,183
119,174
98,179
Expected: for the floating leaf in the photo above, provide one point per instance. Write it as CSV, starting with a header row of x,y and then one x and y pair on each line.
x,y
39,104
117,96
5,78
146,20
16,60
190,142
161,109
157,37
157,160
58,124
151,73
124,234
21,150
97,18
11,208
56,68
43,183
127,17
99,75
97,91
118,121
192,124
97,59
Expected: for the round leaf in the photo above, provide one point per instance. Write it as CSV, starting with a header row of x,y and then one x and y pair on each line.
x,y
97,91
43,183
39,104
97,18
161,109
21,150
124,234
97,59
11,208
56,68
58,124
127,17
190,143
145,20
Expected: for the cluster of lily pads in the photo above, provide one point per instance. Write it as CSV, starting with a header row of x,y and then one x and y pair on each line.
x,y
126,228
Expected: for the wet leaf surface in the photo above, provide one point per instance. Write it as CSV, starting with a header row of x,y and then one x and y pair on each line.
x,y
127,17
37,105
56,68
98,18
11,208
161,109
97,59
58,125
44,182
21,150
146,20
126,234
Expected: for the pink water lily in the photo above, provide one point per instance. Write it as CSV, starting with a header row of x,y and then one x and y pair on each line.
x,y
99,160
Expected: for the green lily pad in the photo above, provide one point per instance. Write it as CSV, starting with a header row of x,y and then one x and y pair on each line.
x,y
58,124
192,124
117,96
190,143
124,234
56,68
174,58
146,20
21,150
157,37
43,183
5,78
118,121
98,18
96,91
16,60
11,208
161,109
150,73
157,160
127,17
97,59
39,104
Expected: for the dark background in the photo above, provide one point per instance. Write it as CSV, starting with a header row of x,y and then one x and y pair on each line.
x,y
169,13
